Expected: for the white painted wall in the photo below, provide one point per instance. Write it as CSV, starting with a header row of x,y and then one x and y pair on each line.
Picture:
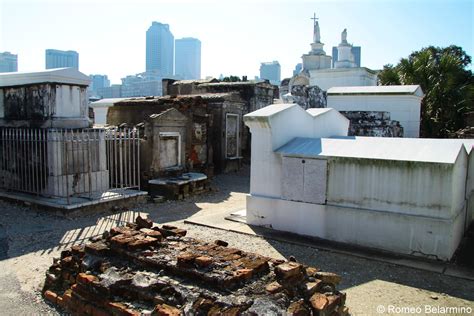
x,y
414,188
269,132
331,123
470,190
402,108
342,77
100,115
70,101
401,233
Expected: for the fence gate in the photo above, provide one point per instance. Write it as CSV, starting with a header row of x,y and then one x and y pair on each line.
x,y
123,158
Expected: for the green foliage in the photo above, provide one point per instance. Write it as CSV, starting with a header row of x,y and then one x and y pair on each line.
x,y
232,79
447,83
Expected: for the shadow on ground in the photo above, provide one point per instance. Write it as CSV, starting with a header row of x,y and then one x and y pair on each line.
x,y
25,229
356,270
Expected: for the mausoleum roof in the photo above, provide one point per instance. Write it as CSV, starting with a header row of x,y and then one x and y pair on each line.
x,y
426,150
106,102
384,90
57,75
271,110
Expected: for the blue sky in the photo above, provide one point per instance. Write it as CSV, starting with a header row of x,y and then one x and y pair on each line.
x,y
236,35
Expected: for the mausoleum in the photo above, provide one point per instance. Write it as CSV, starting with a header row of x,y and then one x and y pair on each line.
x,y
403,103
49,154
410,196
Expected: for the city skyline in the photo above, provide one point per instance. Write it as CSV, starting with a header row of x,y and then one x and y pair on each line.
x,y
232,44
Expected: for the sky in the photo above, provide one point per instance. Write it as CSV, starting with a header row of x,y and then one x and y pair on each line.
x,y
236,36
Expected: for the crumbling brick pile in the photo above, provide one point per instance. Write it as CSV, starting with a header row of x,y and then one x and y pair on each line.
x,y
151,270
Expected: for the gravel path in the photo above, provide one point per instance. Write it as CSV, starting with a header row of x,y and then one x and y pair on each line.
x,y
30,238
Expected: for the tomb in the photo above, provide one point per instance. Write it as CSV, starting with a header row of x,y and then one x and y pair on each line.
x,y
352,89
253,94
404,195
403,103
48,151
210,132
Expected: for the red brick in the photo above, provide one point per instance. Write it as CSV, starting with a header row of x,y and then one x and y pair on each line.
x,y
298,308
119,309
328,277
152,233
203,261
86,279
121,240
143,222
50,296
186,258
180,232
123,230
319,301
258,264
243,274
274,287
97,248
288,269
165,310
142,243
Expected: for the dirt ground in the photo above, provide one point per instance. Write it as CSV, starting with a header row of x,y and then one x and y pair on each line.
x,y
30,238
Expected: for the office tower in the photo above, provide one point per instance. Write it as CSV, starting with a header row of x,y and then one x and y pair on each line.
x,y
159,49
8,62
60,59
188,58
271,71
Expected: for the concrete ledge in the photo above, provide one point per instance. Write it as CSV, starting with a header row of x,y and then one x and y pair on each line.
x,y
75,203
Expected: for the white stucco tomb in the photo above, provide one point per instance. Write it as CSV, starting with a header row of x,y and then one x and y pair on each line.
x,y
402,102
410,196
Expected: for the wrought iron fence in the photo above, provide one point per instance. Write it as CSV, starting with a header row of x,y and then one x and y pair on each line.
x,y
69,162
123,152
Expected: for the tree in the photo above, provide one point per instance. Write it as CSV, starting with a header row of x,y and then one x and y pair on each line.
x,y
447,83
231,79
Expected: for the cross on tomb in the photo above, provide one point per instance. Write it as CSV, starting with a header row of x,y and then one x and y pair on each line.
x,y
314,18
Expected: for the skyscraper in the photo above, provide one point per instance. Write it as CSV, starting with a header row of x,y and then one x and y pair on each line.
x,y
271,71
160,49
59,59
98,83
188,58
8,62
